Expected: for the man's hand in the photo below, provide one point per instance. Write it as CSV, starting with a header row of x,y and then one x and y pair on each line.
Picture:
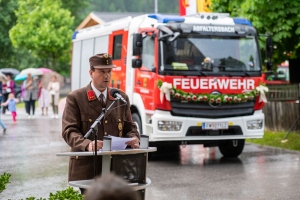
x,y
134,143
91,146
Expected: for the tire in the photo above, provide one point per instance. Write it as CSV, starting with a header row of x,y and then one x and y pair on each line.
x,y
231,148
137,120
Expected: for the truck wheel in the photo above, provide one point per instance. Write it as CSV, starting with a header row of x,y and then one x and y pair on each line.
x,y
231,148
137,120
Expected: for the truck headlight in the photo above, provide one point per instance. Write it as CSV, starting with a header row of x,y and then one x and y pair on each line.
x,y
255,124
169,125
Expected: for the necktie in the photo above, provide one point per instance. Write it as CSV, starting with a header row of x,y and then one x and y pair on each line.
x,y
102,100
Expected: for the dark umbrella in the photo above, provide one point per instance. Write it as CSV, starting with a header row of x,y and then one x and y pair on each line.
x,y
11,71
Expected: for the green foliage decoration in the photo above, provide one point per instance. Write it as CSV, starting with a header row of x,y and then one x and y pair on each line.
x,y
4,179
212,98
67,194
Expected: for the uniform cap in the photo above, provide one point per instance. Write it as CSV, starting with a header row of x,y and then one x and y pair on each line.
x,y
102,60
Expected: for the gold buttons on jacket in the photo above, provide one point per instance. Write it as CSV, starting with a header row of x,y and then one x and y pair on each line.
x,y
105,121
120,126
90,120
105,133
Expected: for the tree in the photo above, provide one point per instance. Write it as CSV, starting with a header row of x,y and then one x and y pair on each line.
x,y
7,20
11,57
44,29
279,19
146,6
79,10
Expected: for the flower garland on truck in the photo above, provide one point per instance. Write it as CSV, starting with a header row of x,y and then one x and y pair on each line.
x,y
167,90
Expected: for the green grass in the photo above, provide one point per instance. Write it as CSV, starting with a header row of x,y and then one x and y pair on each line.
x,y
21,105
275,139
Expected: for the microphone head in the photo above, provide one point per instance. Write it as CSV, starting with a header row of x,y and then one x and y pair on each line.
x,y
114,91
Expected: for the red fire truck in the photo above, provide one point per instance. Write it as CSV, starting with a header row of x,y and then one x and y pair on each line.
x,y
190,79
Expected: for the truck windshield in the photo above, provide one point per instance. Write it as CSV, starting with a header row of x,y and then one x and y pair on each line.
x,y
215,54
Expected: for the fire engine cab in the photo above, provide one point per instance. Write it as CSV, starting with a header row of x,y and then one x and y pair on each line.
x,y
190,79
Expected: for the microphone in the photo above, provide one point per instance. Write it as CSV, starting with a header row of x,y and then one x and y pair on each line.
x,y
116,94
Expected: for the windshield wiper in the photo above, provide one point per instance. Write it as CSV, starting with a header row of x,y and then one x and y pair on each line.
x,y
246,73
238,73
223,68
203,73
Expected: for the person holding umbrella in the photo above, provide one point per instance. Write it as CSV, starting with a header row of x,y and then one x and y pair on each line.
x,y
7,88
31,95
2,79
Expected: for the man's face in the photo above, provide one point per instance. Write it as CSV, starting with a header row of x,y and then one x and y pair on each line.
x,y
101,78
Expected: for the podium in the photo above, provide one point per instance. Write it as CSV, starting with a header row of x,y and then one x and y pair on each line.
x,y
130,164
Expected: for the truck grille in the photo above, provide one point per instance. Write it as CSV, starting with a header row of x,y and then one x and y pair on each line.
x,y
197,131
196,109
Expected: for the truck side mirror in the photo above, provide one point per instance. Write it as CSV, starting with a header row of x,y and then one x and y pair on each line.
x,y
136,63
137,44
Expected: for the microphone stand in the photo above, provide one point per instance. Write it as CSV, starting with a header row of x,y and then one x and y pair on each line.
x,y
94,129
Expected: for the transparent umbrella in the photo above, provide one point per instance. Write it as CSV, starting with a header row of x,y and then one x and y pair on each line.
x,y
10,71
2,77
32,71
46,78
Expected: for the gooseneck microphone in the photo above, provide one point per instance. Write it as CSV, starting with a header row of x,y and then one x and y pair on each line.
x,y
116,94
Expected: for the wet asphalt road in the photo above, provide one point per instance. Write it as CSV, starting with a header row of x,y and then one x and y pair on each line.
x,y
28,153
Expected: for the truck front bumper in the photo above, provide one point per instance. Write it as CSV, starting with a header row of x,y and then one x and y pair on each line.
x,y
191,128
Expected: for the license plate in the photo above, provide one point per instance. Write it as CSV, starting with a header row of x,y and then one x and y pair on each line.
x,y
214,125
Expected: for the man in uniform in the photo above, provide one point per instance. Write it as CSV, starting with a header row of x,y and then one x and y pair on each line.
x,y
83,107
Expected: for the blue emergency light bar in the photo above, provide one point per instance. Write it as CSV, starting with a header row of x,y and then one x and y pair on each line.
x,y
74,35
166,18
238,20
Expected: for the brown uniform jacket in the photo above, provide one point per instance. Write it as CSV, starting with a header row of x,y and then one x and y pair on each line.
x,y
81,110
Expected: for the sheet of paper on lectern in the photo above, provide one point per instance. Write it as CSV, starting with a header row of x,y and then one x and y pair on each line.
x,y
118,143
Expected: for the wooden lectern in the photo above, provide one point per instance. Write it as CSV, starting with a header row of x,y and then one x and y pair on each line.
x,y
130,164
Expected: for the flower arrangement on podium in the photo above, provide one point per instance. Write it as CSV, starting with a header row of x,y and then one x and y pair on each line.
x,y
167,90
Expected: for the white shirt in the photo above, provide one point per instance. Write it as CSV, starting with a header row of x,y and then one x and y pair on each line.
x,y
97,92
53,87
